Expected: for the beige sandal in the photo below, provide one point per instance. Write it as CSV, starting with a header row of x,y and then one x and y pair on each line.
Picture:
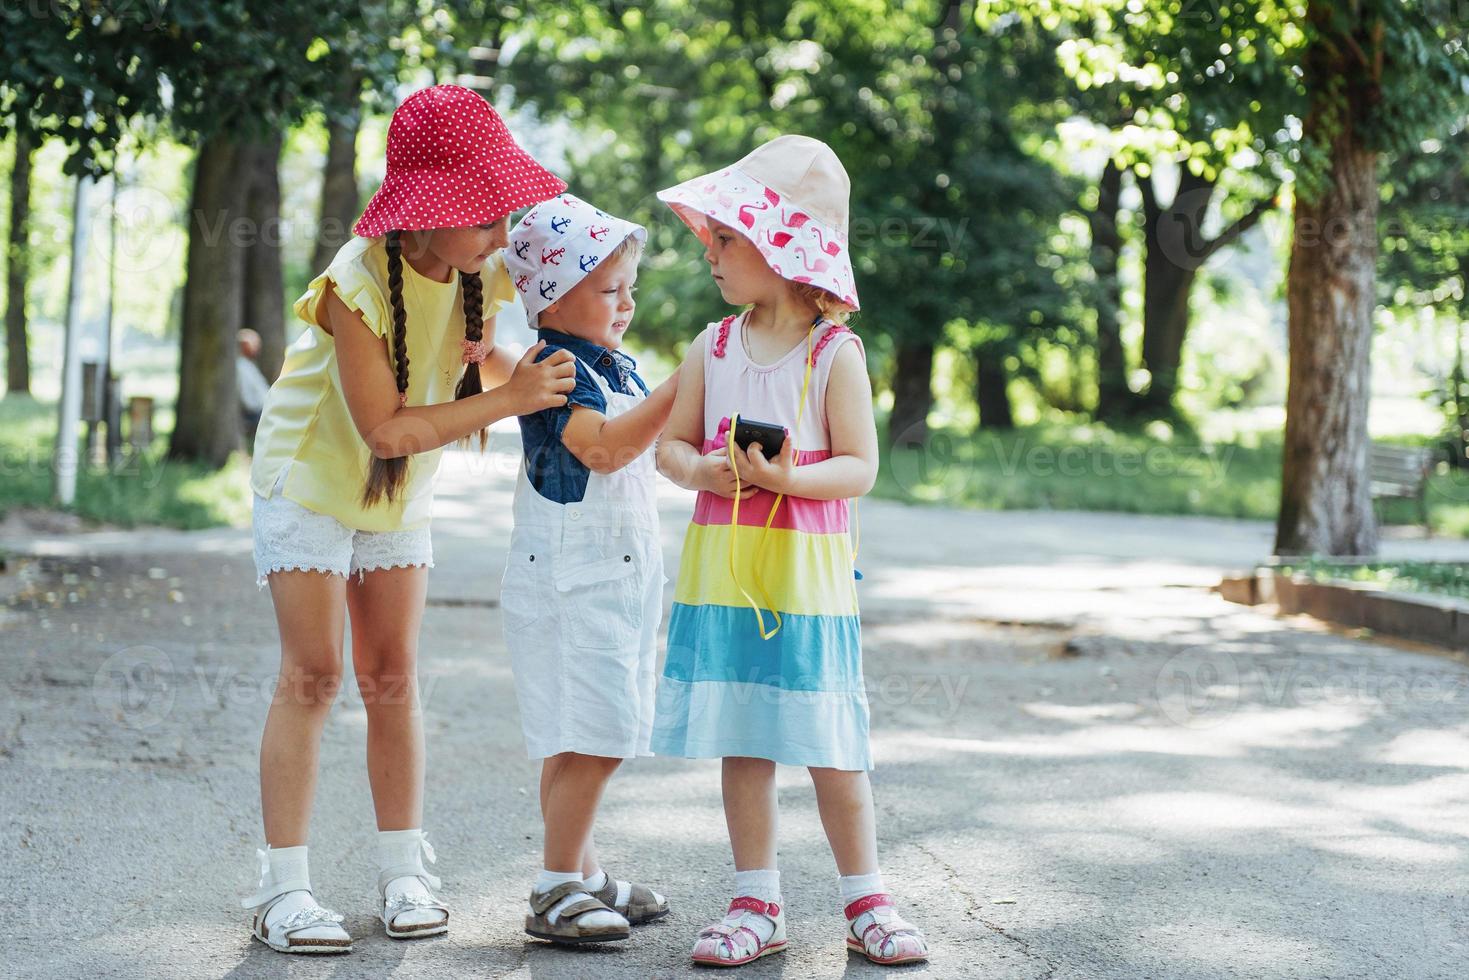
x,y
565,929
643,905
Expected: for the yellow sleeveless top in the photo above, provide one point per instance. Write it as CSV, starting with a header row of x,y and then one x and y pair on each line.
x,y
305,424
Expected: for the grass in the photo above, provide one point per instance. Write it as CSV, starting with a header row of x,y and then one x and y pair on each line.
x,y
1091,467
1040,467
146,488
1439,578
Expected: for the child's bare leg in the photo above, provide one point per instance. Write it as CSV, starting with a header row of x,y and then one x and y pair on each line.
x,y
590,863
571,803
387,609
571,788
309,612
386,606
750,811
752,815
844,800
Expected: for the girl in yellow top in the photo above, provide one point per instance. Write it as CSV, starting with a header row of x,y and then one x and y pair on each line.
x,y
397,361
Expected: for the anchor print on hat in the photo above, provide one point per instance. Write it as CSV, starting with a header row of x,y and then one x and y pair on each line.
x,y
557,244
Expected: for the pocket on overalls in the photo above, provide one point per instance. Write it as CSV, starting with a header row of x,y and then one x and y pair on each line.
x,y
599,581
523,597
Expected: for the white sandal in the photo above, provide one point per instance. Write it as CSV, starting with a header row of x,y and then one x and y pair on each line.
x,y
727,944
283,936
400,902
886,939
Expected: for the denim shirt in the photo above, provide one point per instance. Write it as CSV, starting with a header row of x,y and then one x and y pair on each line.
x,y
555,473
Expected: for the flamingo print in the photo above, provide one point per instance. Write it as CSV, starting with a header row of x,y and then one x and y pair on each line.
x,y
778,238
830,248
820,266
747,219
794,221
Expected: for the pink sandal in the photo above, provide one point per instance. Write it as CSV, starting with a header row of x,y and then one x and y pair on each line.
x,y
886,940
723,944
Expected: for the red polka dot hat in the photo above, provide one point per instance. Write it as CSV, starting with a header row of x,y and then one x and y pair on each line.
x,y
452,164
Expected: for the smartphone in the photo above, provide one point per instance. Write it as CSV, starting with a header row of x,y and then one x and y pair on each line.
x,y
770,437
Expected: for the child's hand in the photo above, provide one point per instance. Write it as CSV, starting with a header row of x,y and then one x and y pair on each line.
x,y
535,386
776,475
716,476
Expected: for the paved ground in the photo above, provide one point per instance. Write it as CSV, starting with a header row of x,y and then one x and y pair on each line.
x,y
1088,766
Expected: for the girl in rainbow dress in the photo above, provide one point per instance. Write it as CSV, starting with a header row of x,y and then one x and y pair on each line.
x,y
764,661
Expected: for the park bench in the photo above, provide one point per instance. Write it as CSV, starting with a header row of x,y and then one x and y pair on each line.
x,y
1402,472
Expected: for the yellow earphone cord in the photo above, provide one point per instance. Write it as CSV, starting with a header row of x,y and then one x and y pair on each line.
x,y
734,519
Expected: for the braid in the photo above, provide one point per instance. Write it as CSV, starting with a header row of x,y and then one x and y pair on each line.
x,y
400,315
474,330
385,477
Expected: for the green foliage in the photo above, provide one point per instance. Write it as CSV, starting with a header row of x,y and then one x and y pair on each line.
x,y
952,214
1440,578
76,70
1425,225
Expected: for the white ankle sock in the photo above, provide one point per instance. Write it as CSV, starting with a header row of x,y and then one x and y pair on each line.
x,y
860,886
404,848
764,885
597,881
548,880
396,847
291,864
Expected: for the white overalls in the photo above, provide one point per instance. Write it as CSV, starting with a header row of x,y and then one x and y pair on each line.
x,y
582,598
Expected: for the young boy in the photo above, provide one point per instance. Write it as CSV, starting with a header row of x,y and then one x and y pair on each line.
x,y
583,586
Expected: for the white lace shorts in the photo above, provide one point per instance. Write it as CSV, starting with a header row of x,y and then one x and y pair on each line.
x,y
291,537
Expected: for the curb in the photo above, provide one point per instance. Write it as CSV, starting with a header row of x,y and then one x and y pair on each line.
x,y
1439,620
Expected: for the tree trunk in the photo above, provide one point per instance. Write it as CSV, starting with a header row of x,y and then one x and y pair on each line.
x,y
339,196
17,268
912,395
1325,499
1114,398
207,425
264,301
1175,249
992,390
1166,292
1459,445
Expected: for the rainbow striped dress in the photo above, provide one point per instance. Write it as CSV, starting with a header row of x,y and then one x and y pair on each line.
x,y
797,698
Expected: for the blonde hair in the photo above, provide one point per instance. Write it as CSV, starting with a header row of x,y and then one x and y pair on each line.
x,y
827,303
630,247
